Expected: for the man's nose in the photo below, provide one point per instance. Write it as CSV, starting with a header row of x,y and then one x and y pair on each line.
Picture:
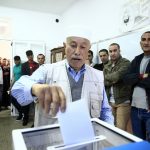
x,y
77,50
146,41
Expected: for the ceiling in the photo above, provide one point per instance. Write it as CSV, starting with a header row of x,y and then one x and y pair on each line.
x,y
48,6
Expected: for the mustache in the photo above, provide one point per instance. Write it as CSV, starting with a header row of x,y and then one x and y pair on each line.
x,y
76,58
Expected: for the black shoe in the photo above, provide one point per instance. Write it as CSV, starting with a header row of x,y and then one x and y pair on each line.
x,y
25,122
19,118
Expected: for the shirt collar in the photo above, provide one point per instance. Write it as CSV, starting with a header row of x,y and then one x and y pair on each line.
x,y
72,70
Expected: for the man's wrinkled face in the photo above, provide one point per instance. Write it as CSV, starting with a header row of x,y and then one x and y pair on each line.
x,y
104,57
76,49
114,52
145,42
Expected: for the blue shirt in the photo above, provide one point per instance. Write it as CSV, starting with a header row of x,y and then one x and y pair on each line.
x,y
22,90
17,72
75,75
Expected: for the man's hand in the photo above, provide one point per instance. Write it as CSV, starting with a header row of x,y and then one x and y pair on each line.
x,y
51,98
143,76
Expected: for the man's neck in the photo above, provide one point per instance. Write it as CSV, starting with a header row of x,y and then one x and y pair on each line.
x,y
147,53
30,61
105,62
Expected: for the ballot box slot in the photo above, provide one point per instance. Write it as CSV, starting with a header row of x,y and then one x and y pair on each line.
x,y
86,145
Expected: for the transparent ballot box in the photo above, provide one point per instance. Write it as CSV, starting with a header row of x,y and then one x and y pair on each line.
x,y
50,138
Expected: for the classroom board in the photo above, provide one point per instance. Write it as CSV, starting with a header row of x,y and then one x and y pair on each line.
x,y
129,43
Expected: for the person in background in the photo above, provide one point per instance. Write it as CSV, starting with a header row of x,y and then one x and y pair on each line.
x,y
6,83
27,69
8,63
58,84
118,92
0,60
1,86
29,66
16,70
40,59
104,57
15,76
89,60
138,76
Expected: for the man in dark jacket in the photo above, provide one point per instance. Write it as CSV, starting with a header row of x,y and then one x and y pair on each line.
x,y
27,69
104,56
138,76
117,92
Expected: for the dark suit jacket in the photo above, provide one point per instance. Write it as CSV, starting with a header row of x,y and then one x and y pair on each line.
x,y
132,77
99,66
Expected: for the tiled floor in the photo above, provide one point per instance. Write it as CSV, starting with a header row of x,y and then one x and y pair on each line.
x,y
7,124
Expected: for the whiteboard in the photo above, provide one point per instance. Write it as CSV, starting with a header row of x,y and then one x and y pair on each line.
x,y
129,43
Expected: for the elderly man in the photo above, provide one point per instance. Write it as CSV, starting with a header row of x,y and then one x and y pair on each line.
x,y
55,85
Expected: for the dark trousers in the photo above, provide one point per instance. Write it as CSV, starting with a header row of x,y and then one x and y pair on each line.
x,y
21,109
6,96
140,123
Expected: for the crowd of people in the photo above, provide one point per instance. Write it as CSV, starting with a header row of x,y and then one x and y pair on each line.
x,y
127,85
19,69
117,88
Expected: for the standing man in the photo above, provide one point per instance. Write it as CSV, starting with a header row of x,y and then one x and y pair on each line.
x,y
104,56
38,110
89,60
29,66
16,74
40,59
138,76
0,60
27,69
1,86
117,92
6,83
58,84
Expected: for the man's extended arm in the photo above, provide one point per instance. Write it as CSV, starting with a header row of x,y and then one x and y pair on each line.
x,y
106,112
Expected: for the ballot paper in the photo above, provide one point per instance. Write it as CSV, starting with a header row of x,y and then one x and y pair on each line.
x,y
75,123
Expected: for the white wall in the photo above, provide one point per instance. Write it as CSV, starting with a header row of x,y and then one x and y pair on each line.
x,y
28,25
102,16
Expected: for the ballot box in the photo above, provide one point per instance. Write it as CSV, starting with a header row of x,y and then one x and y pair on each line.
x,y
50,138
